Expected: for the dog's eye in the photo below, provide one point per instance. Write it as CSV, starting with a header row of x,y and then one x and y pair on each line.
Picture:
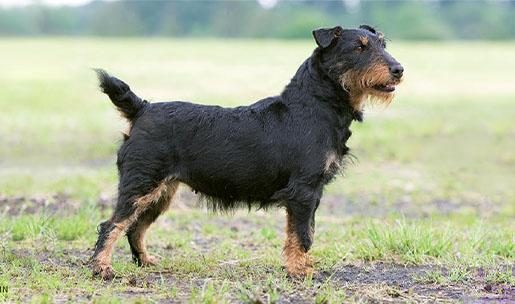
x,y
360,48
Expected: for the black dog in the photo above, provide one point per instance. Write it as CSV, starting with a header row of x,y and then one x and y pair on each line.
x,y
279,151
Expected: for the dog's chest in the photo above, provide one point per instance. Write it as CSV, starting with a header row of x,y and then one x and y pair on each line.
x,y
338,149
332,162
334,156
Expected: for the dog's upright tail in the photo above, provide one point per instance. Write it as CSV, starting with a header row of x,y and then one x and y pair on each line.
x,y
121,95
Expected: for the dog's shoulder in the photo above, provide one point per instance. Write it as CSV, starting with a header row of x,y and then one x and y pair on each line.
x,y
270,106
273,103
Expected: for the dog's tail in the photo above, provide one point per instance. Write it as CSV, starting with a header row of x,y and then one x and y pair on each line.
x,y
121,95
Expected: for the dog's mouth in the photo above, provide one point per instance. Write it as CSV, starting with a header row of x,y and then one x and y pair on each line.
x,y
387,88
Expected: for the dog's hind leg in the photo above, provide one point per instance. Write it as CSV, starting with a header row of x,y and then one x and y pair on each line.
x,y
133,201
136,232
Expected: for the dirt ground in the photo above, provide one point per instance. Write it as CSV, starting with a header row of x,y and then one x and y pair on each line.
x,y
362,282
366,282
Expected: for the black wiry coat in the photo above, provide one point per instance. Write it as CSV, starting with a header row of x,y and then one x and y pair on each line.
x,y
279,151
274,150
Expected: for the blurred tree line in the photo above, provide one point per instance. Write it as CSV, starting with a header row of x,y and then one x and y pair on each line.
x,y
425,20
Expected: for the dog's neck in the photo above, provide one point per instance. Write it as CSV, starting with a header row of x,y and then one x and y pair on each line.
x,y
312,81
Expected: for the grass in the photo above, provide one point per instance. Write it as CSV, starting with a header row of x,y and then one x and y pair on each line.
x,y
225,266
429,201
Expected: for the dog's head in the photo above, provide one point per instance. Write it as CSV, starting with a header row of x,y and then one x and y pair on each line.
x,y
357,60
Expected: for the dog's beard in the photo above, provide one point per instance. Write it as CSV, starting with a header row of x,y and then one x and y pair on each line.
x,y
373,86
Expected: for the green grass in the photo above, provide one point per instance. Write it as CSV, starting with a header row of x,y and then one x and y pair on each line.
x,y
501,276
227,266
55,119
431,277
42,225
432,185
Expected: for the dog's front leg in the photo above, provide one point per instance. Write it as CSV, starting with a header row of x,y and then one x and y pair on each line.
x,y
299,238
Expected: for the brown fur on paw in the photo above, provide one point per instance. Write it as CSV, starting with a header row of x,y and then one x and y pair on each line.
x,y
148,260
300,272
103,271
300,265
297,261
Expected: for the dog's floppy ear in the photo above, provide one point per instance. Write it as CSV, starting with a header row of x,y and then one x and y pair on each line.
x,y
325,36
368,28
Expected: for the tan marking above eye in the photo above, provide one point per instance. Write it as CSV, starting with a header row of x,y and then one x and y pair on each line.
x,y
363,40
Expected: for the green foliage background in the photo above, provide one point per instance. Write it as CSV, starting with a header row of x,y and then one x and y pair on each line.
x,y
419,20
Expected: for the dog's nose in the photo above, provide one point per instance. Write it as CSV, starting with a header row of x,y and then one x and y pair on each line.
x,y
397,70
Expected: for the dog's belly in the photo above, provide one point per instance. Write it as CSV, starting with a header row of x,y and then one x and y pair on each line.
x,y
251,184
227,192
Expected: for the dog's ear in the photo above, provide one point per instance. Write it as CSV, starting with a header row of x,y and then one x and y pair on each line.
x,y
368,28
325,36
372,30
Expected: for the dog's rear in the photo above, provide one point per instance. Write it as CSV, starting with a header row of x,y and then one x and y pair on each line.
x,y
121,95
148,198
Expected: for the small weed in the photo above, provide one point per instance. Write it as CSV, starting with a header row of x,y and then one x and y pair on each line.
x,y
459,274
209,293
328,294
76,226
502,243
500,276
30,226
412,242
249,295
431,277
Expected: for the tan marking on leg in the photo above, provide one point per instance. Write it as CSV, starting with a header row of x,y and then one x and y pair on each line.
x,y
102,263
138,238
143,202
298,262
138,235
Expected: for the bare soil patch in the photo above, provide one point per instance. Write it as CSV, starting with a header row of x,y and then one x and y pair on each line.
x,y
402,283
366,282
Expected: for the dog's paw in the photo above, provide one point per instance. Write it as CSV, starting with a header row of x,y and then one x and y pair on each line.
x,y
103,271
300,272
148,260
300,267
145,260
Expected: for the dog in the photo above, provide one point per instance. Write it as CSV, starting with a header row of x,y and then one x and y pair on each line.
x,y
280,151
